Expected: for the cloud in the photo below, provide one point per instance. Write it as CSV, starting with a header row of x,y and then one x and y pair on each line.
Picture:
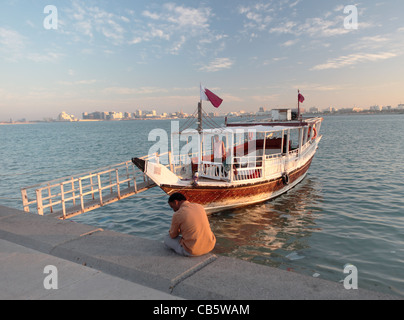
x,y
294,4
79,82
89,21
265,98
11,40
179,19
14,47
151,15
45,57
290,43
230,98
352,59
156,29
217,65
134,91
12,44
312,27
369,43
178,45
153,32
318,87
176,26
258,16
188,17
276,17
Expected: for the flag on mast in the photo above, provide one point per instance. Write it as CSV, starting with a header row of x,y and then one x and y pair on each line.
x,y
208,95
300,97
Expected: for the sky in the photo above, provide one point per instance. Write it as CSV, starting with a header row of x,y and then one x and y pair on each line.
x,y
124,55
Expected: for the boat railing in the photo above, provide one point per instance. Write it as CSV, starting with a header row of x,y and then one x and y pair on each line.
x,y
242,174
247,168
294,152
240,169
73,195
181,164
273,156
212,170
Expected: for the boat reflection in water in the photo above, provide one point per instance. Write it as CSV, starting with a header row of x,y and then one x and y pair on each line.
x,y
272,233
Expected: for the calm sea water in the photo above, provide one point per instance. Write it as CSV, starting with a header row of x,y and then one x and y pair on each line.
x,y
349,209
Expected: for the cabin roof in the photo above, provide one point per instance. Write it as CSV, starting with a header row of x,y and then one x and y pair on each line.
x,y
238,129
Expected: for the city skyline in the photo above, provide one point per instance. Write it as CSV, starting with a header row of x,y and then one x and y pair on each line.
x,y
89,55
153,114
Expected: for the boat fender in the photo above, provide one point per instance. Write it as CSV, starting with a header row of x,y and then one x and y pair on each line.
x,y
315,134
195,179
285,179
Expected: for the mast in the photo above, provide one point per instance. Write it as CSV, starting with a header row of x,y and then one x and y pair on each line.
x,y
200,117
200,132
298,104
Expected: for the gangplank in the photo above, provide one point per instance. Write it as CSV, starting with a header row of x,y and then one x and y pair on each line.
x,y
70,196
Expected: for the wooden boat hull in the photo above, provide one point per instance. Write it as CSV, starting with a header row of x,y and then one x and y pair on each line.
x,y
218,198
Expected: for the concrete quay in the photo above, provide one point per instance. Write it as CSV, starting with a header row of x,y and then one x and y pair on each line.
x,y
98,264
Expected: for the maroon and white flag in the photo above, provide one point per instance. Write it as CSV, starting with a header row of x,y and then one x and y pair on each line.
x,y
208,95
300,97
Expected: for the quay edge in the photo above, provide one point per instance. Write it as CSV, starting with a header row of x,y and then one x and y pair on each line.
x,y
148,265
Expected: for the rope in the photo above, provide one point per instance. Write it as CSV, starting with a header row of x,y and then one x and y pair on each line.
x,y
192,119
189,121
211,122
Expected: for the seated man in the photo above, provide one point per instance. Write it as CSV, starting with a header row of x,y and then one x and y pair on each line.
x,y
189,220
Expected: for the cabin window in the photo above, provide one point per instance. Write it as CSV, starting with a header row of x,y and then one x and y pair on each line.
x,y
294,138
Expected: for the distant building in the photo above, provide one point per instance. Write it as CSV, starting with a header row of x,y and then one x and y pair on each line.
x,y
346,110
97,115
263,112
400,106
115,115
375,108
66,117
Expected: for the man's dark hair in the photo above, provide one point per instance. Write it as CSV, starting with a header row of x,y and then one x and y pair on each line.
x,y
176,196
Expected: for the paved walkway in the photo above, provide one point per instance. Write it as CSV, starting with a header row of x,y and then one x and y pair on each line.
x,y
92,263
23,275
